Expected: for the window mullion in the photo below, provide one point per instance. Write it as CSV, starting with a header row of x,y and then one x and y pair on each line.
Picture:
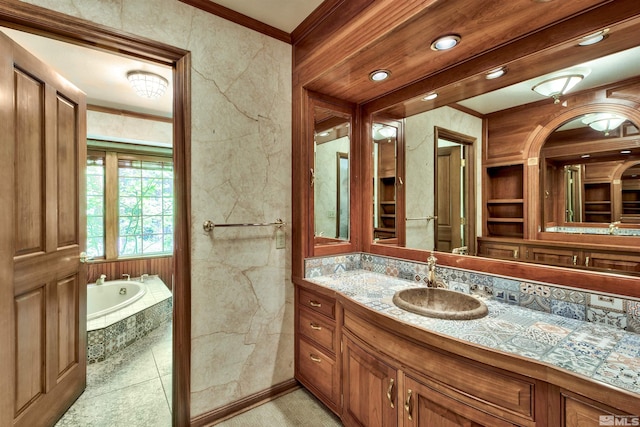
x,y
111,205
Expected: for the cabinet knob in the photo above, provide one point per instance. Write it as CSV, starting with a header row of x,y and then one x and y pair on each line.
x,y
407,405
390,391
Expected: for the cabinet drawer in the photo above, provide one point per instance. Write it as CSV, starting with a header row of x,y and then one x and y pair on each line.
x,y
318,369
318,303
318,329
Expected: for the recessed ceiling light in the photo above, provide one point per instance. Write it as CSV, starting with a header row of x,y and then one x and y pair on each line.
x,y
586,156
594,38
625,152
379,75
323,134
495,73
446,42
430,97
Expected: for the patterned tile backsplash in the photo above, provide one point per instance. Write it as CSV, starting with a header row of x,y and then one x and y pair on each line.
x,y
621,312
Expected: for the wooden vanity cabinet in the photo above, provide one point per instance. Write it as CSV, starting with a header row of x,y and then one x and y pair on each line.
x,y
578,411
369,386
317,341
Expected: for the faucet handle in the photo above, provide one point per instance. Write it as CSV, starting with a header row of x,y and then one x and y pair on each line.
x,y
127,276
144,276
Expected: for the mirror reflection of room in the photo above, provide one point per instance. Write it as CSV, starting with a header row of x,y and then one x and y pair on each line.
x,y
331,175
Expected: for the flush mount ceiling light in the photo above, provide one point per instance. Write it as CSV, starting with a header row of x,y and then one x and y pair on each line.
x,y
594,38
147,85
495,73
603,122
557,86
430,97
379,75
446,42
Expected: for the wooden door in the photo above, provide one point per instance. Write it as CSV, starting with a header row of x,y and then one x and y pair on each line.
x,y
43,287
369,389
424,406
449,212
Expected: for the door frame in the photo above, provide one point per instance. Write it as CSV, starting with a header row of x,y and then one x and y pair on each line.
x,y
468,143
44,22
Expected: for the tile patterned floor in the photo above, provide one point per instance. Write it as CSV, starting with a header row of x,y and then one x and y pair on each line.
x,y
133,389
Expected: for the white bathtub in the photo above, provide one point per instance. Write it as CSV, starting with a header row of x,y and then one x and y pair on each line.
x,y
112,296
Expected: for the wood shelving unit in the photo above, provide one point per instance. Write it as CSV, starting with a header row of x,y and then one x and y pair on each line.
x,y
505,204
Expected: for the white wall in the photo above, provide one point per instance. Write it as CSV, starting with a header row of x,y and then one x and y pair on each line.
x,y
117,127
242,298
325,184
419,164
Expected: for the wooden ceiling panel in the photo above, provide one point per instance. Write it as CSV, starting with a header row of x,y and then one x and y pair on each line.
x,y
405,51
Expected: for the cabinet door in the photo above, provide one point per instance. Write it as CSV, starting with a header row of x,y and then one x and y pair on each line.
x,y
369,389
582,412
499,250
612,261
552,256
424,406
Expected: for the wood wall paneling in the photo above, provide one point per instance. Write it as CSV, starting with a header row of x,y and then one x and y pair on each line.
x,y
114,270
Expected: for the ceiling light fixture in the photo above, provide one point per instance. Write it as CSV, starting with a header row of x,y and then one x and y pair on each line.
x,y
430,97
495,73
557,86
379,75
446,42
603,122
594,38
147,85
625,152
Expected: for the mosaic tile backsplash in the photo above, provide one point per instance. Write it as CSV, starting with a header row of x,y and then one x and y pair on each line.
x,y
620,312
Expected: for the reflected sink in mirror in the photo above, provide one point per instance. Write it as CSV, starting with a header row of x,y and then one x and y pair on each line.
x,y
440,303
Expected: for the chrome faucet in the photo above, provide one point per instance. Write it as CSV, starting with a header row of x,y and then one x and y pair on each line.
x,y
144,276
127,277
101,279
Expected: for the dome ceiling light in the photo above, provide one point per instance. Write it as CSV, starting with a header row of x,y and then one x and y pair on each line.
x,y
557,86
147,85
603,122
446,42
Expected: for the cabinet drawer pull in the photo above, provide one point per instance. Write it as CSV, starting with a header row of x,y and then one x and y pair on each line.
x,y
315,326
575,259
516,253
313,303
315,358
407,405
390,391
586,262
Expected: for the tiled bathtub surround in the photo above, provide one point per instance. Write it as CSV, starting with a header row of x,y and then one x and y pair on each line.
x,y
109,334
623,313
598,351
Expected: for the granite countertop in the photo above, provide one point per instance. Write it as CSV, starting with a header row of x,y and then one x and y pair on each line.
x,y
597,351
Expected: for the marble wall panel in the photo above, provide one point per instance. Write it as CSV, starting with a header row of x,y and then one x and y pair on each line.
x,y
242,297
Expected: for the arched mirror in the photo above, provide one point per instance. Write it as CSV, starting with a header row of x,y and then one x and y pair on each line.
x,y
587,176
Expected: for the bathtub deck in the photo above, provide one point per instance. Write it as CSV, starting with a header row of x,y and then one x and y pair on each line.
x,y
113,332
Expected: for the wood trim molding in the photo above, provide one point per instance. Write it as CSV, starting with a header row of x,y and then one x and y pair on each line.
x,y
48,23
245,404
240,19
127,113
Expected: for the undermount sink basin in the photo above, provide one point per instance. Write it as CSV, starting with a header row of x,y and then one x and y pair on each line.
x,y
440,303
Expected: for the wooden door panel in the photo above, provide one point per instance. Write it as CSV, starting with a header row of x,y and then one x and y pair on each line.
x,y
68,320
68,173
29,163
30,351
45,323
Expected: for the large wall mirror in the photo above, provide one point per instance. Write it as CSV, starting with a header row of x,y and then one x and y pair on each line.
x,y
521,160
331,173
